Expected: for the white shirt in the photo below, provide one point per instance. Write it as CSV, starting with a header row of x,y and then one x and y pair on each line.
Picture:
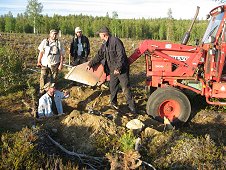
x,y
80,48
45,103
52,52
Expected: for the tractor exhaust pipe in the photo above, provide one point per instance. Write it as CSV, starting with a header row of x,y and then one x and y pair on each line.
x,y
187,34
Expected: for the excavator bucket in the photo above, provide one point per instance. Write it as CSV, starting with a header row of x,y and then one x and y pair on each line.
x,y
93,77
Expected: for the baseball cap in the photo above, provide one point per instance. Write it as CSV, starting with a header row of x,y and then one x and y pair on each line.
x,y
53,31
104,29
49,85
77,29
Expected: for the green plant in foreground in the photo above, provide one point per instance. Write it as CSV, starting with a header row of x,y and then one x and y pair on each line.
x,y
106,143
127,141
128,158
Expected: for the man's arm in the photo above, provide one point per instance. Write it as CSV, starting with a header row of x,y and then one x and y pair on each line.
x,y
72,48
62,52
88,46
120,51
41,52
40,55
98,57
42,107
61,61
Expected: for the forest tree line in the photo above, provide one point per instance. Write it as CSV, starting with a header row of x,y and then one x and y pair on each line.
x,y
159,29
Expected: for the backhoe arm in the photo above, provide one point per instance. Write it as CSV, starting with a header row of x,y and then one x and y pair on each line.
x,y
138,52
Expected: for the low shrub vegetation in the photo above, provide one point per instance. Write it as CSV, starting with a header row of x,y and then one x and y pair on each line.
x,y
11,69
199,145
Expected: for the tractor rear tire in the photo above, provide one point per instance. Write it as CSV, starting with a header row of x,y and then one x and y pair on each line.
x,y
171,103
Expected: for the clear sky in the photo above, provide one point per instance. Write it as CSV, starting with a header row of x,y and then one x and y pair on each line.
x,y
181,9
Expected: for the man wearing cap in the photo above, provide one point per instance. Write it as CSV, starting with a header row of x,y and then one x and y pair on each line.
x,y
112,54
50,58
51,102
80,47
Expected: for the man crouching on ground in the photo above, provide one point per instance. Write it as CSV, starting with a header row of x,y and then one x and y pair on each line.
x,y
51,102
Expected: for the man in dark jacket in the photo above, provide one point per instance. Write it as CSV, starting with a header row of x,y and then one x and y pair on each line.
x,y
112,54
80,47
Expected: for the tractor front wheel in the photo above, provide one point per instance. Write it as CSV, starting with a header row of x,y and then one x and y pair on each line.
x,y
171,103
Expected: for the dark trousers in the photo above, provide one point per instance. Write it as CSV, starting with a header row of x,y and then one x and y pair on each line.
x,y
79,60
123,80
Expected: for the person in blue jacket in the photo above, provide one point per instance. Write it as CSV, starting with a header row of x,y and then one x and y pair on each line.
x,y
51,102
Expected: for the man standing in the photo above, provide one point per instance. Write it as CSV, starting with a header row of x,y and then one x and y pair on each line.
x,y
112,54
50,59
80,47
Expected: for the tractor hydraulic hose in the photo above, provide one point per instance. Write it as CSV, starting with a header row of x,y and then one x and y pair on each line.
x,y
187,34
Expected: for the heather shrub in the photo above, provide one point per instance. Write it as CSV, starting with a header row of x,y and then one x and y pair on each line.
x,y
11,69
19,150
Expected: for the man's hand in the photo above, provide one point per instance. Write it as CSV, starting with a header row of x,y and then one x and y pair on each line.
x,y
39,64
116,72
88,67
66,94
40,55
60,66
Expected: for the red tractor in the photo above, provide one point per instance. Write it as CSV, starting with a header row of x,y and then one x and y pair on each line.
x,y
173,68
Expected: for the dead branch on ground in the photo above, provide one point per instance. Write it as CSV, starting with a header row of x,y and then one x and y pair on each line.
x,y
91,161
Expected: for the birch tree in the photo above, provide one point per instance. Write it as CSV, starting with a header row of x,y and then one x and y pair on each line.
x,y
33,10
